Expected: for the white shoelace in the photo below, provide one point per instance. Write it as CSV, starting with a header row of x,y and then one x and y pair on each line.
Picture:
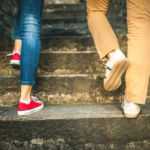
x,y
35,98
10,54
13,53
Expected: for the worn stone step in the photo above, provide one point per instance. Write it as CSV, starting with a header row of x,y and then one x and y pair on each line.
x,y
74,31
64,22
58,51
70,13
64,13
51,7
58,63
71,63
113,9
75,43
78,31
65,43
62,89
58,2
74,21
75,127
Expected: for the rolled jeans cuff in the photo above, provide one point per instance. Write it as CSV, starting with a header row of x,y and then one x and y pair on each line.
x,y
16,38
26,83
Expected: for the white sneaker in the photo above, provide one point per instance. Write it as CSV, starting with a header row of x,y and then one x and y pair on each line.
x,y
115,67
131,110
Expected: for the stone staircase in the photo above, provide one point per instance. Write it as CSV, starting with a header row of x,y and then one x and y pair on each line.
x,y
70,70
70,74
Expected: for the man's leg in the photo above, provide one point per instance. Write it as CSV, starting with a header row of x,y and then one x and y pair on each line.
x,y
137,75
106,43
102,32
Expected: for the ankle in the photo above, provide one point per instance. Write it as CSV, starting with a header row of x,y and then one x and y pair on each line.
x,y
25,98
111,53
131,103
24,101
15,51
26,92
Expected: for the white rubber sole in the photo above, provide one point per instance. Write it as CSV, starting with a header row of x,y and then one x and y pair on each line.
x,y
27,112
15,62
129,115
113,80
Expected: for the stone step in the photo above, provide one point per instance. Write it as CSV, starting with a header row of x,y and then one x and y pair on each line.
x,y
64,2
71,63
65,43
74,31
52,7
75,43
113,9
75,127
70,13
74,21
64,13
78,31
61,63
61,89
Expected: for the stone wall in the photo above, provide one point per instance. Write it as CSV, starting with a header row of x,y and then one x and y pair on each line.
x,y
8,11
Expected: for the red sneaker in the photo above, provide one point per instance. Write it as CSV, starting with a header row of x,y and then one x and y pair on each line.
x,y
34,106
15,60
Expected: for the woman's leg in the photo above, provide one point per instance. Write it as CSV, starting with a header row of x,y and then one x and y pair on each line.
x,y
30,32
31,14
106,43
17,45
17,33
15,60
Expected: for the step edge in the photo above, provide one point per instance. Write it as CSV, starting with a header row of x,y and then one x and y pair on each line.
x,y
65,52
88,113
83,36
61,18
69,75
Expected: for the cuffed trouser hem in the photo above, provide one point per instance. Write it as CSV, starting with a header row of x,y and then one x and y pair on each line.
x,y
107,51
135,100
26,83
16,38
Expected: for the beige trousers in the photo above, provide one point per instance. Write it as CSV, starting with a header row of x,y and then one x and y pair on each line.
x,y
138,19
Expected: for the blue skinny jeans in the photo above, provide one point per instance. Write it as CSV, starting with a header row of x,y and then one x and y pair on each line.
x,y
27,28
